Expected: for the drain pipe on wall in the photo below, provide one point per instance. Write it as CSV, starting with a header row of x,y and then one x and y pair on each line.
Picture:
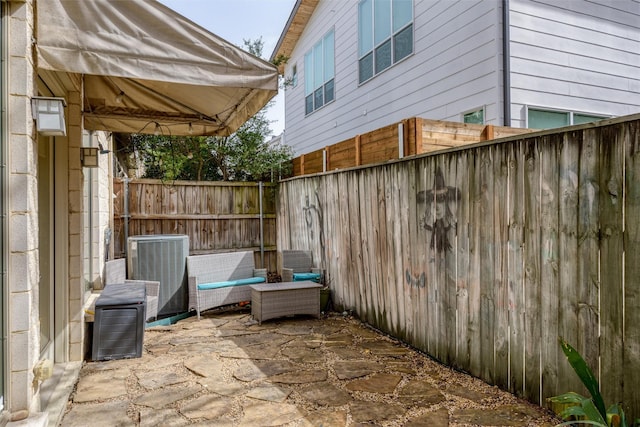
x,y
126,216
506,64
4,239
89,213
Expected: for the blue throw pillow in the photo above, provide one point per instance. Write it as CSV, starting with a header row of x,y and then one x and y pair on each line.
x,y
298,277
226,284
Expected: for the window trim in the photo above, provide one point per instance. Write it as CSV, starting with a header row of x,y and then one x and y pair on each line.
x,y
391,38
310,51
561,110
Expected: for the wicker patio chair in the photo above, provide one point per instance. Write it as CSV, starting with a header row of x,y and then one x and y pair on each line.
x,y
298,265
115,272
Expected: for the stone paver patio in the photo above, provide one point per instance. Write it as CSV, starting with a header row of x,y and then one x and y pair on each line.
x,y
225,370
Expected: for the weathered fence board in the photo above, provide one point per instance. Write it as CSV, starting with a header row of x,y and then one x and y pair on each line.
x,y
400,209
483,256
611,141
532,256
588,250
413,273
352,265
631,338
568,262
485,195
515,273
549,263
447,275
430,266
217,216
501,249
475,225
463,221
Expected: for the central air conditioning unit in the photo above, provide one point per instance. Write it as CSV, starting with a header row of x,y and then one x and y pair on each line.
x,y
161,258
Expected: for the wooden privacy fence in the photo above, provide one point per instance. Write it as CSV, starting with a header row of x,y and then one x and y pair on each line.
x,y
217,216
406,138
483,256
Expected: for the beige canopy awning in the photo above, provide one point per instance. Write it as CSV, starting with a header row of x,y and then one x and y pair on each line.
x,y
142,64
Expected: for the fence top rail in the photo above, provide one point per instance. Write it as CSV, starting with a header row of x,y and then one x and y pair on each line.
x,y
198,183
502,140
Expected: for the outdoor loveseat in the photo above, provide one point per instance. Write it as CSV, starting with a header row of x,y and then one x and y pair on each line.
x,y
220,279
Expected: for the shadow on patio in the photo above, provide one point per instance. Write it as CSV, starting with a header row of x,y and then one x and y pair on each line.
x,y
226,370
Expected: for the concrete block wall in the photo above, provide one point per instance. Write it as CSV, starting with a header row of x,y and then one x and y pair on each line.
x,y
97,205
23,269
75,222
103,195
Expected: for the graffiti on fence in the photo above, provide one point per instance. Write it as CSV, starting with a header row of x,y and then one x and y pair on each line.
x,y
438,217
313,219
438,220
417,281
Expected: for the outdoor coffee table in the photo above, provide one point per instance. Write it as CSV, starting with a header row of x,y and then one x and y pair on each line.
x,y
271,300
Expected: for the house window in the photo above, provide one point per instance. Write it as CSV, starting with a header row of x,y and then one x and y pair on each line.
x,y
319,74
579,118
547,119
385,35
476,117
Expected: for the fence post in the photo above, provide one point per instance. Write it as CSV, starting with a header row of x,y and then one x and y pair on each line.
x,y
357,142
487,133
324,160
400,140
418,135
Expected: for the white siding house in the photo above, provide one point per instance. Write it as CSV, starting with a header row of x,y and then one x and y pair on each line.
x,y
568,62
574,56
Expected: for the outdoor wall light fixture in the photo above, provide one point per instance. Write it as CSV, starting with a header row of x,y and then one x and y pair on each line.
x,y
49,115
89,157
102,149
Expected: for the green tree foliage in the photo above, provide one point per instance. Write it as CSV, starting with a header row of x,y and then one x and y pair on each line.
x,y
247,155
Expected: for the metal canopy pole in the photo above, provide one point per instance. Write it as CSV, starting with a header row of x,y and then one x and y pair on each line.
x,y
261,228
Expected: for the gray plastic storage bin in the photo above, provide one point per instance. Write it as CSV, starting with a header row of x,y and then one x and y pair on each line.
x,y
118,328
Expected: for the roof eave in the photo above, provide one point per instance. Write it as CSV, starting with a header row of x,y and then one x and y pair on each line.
x,y
298,19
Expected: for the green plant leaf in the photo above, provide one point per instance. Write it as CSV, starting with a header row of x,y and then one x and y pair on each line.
x,y
570,397
615,416
573,411
586,376
592,412
586,422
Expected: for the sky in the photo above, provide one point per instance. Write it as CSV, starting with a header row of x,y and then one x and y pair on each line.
x,y
239,20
